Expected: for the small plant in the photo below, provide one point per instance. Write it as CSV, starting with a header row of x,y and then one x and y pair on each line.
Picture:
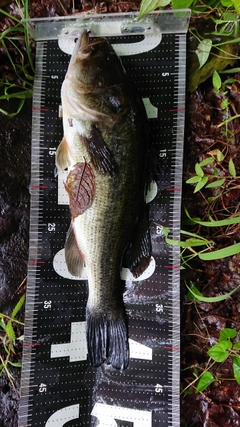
x,y
206,6
12,40
225,348
194,240
217,45
8,339
218,171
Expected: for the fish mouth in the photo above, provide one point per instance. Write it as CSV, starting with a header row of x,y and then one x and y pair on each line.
x,y
85,46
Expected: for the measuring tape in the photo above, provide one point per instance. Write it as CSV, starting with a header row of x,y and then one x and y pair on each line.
x,y
59,387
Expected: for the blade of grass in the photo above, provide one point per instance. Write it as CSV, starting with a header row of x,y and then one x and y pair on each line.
x,y
221,253
211,299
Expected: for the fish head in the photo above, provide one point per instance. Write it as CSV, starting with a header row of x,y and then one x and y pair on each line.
x,y
94,63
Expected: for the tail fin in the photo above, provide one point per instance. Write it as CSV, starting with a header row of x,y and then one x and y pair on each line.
x,y
107,340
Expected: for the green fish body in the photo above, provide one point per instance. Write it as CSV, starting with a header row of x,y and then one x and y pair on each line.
x,y
104,147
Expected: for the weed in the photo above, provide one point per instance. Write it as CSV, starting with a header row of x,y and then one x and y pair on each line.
x,y
8,338
207,6
220,352
12,40
194,240
218,44
195,295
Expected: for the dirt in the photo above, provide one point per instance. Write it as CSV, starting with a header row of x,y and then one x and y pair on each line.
x,y
201,323
219,404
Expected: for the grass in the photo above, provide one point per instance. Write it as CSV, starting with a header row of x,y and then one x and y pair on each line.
x,y
17,45
9,336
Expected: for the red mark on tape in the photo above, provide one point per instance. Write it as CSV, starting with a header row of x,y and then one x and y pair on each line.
x,y
40,109
168,347
177,110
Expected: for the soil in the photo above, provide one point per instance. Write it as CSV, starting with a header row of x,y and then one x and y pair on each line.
x,y
201,323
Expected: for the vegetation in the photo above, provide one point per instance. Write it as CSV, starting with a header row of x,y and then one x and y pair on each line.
x,y
224,349
15,42
206,7
9,335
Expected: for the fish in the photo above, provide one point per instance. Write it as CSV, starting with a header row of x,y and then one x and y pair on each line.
x,y
104,147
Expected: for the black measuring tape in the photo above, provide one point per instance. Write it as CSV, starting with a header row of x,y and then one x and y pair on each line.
x,y
59,387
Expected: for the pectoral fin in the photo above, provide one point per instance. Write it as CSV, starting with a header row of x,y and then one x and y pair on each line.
x,y
101,156
62,155
73,255
138,253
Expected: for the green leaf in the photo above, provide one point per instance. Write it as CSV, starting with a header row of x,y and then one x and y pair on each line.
x,y
181,4
207,161
236,4
227,81
216,79
10,334
163,3
219,352
201,184
231,168
15,364
215,171
146,7
194,240
12,17
199,170
224,104
193,180
189,243
18,306
221,253
203,51
215,184
236,346
236,368
232,70
227,3
229,16
2,323
192,292
206,379
211,299
226,334
213,223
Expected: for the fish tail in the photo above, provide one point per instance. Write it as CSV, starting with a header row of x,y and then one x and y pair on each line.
x,y
107,339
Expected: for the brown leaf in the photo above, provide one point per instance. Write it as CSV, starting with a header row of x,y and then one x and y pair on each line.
x,y
80,186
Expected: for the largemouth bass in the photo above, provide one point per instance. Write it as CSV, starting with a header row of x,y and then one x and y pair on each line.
x,y
105,148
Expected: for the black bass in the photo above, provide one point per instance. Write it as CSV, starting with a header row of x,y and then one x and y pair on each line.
x,y
105,148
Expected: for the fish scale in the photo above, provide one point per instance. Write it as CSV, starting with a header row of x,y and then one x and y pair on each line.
x,y
58,385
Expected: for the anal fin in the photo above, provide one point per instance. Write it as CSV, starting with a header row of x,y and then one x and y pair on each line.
x,y
73,256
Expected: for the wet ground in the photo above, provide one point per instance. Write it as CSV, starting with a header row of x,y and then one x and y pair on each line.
x,y
15,143
219,404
